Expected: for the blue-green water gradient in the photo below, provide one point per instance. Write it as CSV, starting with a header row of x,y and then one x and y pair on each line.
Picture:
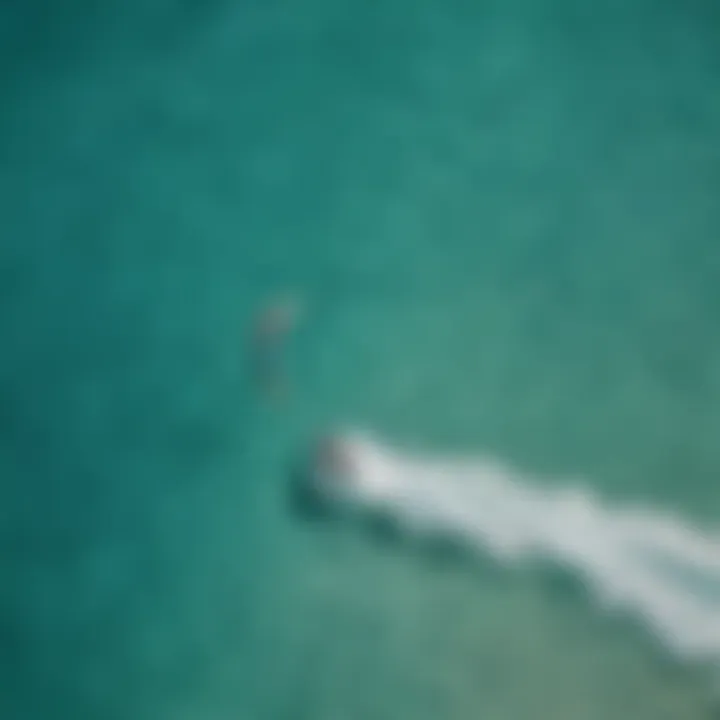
x,y
503,219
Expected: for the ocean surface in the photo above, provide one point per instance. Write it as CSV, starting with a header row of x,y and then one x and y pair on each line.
x,y
503,222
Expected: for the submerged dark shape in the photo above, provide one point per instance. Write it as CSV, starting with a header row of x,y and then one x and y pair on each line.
x,y
304,498
316,486
318,478
328,484
270,332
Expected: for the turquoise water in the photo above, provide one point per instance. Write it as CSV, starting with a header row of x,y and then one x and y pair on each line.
x,y
503,220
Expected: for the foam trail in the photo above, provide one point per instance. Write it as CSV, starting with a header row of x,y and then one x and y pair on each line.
x,y
654,565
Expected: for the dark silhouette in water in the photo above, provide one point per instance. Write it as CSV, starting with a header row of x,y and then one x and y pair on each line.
x,y
309,499
269,336
304,499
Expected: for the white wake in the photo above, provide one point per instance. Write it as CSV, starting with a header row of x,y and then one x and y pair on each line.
x,y
654,565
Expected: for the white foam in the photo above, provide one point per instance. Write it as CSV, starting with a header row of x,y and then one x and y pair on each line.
x,y
654,565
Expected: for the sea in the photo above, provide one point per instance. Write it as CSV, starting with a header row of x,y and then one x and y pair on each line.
x,y
501,220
